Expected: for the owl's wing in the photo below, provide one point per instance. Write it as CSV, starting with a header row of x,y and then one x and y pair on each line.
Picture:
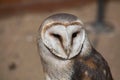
x,y
92,67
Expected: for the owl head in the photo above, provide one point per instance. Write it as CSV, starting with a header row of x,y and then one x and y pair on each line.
x,y
62,35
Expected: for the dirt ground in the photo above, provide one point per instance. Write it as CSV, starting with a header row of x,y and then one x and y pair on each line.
x,y
19,58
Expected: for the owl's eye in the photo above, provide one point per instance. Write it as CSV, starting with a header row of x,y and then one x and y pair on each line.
x,y
56,36
75,34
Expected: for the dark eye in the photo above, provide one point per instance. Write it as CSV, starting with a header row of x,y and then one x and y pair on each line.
x,y
56,35
75,34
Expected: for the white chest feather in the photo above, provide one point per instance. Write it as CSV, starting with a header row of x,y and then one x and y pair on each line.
x,y
59,71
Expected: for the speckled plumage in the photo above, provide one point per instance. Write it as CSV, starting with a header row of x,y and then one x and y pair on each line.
x,y
92,67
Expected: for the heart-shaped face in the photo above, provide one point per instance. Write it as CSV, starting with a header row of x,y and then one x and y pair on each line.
x,y
63,35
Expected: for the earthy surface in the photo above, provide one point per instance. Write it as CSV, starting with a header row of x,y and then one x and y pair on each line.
x,y
19,58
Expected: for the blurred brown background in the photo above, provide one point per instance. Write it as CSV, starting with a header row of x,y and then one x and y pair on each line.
x,y
19,23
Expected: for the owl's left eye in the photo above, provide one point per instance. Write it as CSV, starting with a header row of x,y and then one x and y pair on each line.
x,y
75,34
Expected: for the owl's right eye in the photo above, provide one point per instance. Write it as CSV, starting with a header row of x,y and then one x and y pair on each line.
x,y
56,36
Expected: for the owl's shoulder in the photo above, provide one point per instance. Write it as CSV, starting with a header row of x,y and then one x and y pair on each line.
x,y
91,67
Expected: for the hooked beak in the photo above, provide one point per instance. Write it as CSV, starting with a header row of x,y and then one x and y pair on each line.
x,y
68,51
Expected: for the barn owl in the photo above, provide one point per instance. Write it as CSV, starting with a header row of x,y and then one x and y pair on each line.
x,y
66,52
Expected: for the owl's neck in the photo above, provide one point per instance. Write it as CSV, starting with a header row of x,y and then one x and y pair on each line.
x,y
58,70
